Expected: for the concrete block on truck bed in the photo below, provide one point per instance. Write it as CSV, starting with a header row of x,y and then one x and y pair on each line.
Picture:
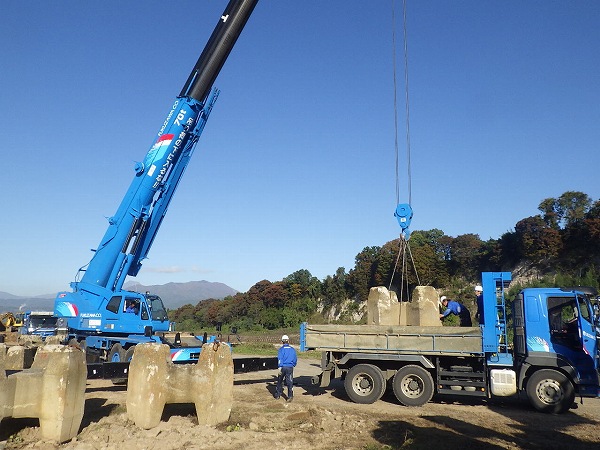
x,y
382,307
423,310
52,390
155,381
392,339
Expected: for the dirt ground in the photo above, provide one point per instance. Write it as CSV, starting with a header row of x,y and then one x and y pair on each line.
x,y
320,419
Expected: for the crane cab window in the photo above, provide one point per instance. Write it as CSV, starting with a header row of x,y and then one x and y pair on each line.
x,y
131,305
113,304
145,315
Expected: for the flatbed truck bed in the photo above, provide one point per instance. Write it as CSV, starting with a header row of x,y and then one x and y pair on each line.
x,y
392,339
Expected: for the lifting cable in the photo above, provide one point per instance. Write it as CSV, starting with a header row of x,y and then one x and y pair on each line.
x,y
405,210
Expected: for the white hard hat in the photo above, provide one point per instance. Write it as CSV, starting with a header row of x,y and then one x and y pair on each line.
x,y
478,288
442,298
285,337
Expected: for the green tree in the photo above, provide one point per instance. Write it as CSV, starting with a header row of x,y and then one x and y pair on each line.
x,y
334,288
538,242
302,284
360,278
565,210
465,254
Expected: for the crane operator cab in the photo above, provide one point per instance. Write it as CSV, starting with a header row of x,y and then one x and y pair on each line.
x,y
144,313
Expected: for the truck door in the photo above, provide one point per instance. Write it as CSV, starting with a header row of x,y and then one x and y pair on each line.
x,y
572,334
587,336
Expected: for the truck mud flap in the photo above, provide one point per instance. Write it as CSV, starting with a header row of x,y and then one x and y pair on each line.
x,y
321,380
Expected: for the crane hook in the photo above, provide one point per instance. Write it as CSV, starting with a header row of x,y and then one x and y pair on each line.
x,y
404,214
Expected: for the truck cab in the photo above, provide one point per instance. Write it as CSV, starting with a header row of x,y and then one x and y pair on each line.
x,y
557,328
39,323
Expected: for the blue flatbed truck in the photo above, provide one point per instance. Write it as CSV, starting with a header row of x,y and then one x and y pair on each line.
x,y
550,356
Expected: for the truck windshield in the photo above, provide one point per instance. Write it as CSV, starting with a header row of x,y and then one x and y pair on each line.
x,y
42,321
157,309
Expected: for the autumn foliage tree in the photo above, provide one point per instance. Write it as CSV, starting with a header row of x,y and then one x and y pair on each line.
x,y
564,240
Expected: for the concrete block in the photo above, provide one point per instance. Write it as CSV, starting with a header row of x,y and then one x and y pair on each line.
x,y
155,381
403,321
423,309
18,357
382,307
30,340
52,390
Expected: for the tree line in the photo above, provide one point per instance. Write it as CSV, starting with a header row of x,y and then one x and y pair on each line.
x,y
559,246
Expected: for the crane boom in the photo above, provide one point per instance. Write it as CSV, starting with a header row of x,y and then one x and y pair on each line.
x,y
133,228
95,311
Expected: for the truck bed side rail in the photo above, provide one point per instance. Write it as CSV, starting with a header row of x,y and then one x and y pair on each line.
x,y
383,338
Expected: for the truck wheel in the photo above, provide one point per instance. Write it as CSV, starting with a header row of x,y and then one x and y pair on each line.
x,y
364,384
550,391
116,354
413,385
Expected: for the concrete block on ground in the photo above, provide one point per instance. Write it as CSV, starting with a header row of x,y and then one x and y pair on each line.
x,y
17,357
52,390
423,310
155,381
382,307
30,339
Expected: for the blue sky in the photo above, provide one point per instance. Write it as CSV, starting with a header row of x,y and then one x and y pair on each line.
x,y
296,166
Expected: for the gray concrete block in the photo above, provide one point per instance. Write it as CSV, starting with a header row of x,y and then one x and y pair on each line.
x,y
382,307
423,309
155,381
52,390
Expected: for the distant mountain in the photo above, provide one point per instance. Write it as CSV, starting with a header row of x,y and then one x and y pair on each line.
x,y
173,295
6,295
13,303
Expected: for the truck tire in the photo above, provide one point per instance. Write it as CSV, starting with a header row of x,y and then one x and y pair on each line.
x,y
550,391
116,354
364,383
413,385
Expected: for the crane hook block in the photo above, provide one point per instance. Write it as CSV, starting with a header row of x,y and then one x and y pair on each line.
x,y
404,214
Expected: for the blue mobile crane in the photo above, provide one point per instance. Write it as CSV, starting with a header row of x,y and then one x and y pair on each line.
x,y
98,314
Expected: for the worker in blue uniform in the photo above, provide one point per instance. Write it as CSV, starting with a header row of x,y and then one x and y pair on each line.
x,y
453,307
479,314
287,359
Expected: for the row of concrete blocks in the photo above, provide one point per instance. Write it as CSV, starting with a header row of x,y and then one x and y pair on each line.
x,y
53,388
383,308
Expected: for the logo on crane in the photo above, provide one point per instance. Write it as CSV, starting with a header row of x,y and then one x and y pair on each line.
x,y
158,150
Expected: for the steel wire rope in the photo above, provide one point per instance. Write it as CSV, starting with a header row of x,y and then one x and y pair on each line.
x,y
403,244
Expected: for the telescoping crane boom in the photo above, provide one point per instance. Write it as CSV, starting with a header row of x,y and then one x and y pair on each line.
x,y
96,307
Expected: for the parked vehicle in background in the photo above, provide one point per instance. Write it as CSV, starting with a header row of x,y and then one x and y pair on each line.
x,y
39,323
